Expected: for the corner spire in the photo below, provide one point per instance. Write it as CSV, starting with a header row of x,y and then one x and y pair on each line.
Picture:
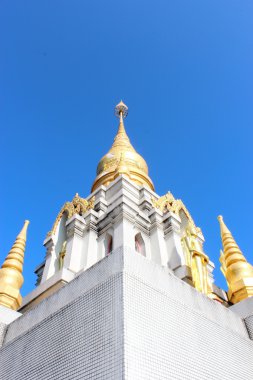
x,y
237,271
11,278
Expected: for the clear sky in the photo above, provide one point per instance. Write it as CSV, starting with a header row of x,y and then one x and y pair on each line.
x,y
184,68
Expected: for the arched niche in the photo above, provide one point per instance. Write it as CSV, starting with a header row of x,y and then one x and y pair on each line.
x,y
108,243
139,244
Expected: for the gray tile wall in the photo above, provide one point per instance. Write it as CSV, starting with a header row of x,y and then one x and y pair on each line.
x,y
83,340
127,318
165,339
249,325
85,281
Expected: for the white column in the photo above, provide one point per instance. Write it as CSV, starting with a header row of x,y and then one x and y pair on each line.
x,y
172,236
90,256
51,258
123,232
158,247
75,243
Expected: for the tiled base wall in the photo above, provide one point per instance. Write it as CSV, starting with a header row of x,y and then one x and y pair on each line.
x,y
81,341
165,339
127,318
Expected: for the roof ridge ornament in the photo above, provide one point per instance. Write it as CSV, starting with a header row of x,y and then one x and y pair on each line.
x,y
169,203
78,205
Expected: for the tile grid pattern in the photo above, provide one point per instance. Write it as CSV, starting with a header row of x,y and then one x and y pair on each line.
x,y
127,318
162,280
83,340
81,284
164,339
249,325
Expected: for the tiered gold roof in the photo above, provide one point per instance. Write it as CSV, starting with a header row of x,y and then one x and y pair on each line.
x,y
122,158
237,271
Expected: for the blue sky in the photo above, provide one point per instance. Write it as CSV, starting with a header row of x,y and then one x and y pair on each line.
x,y
183,67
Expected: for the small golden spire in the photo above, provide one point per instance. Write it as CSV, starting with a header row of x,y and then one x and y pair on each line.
x,y
11,278
237,271
122,154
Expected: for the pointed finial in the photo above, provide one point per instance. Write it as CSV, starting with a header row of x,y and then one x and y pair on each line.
x,y
11,278
229,245
121,110
237,271
223,227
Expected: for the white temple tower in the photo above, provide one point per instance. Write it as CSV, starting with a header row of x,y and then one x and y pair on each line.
x,y
126,290
123,210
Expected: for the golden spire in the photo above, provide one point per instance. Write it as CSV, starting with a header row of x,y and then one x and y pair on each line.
x,y
122,158
237,271
11,278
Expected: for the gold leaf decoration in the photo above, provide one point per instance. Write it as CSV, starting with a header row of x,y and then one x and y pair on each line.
x,y
168,203
78,205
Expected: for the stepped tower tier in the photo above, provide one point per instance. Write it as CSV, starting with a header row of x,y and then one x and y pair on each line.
x,y
126,289
123,211
123,214
122,158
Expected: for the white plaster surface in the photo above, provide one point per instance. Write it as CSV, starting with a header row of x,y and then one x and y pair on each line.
x,y
64,275
6,317
243,308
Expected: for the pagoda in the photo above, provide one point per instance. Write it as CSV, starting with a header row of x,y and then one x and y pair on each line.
x,y
126,289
